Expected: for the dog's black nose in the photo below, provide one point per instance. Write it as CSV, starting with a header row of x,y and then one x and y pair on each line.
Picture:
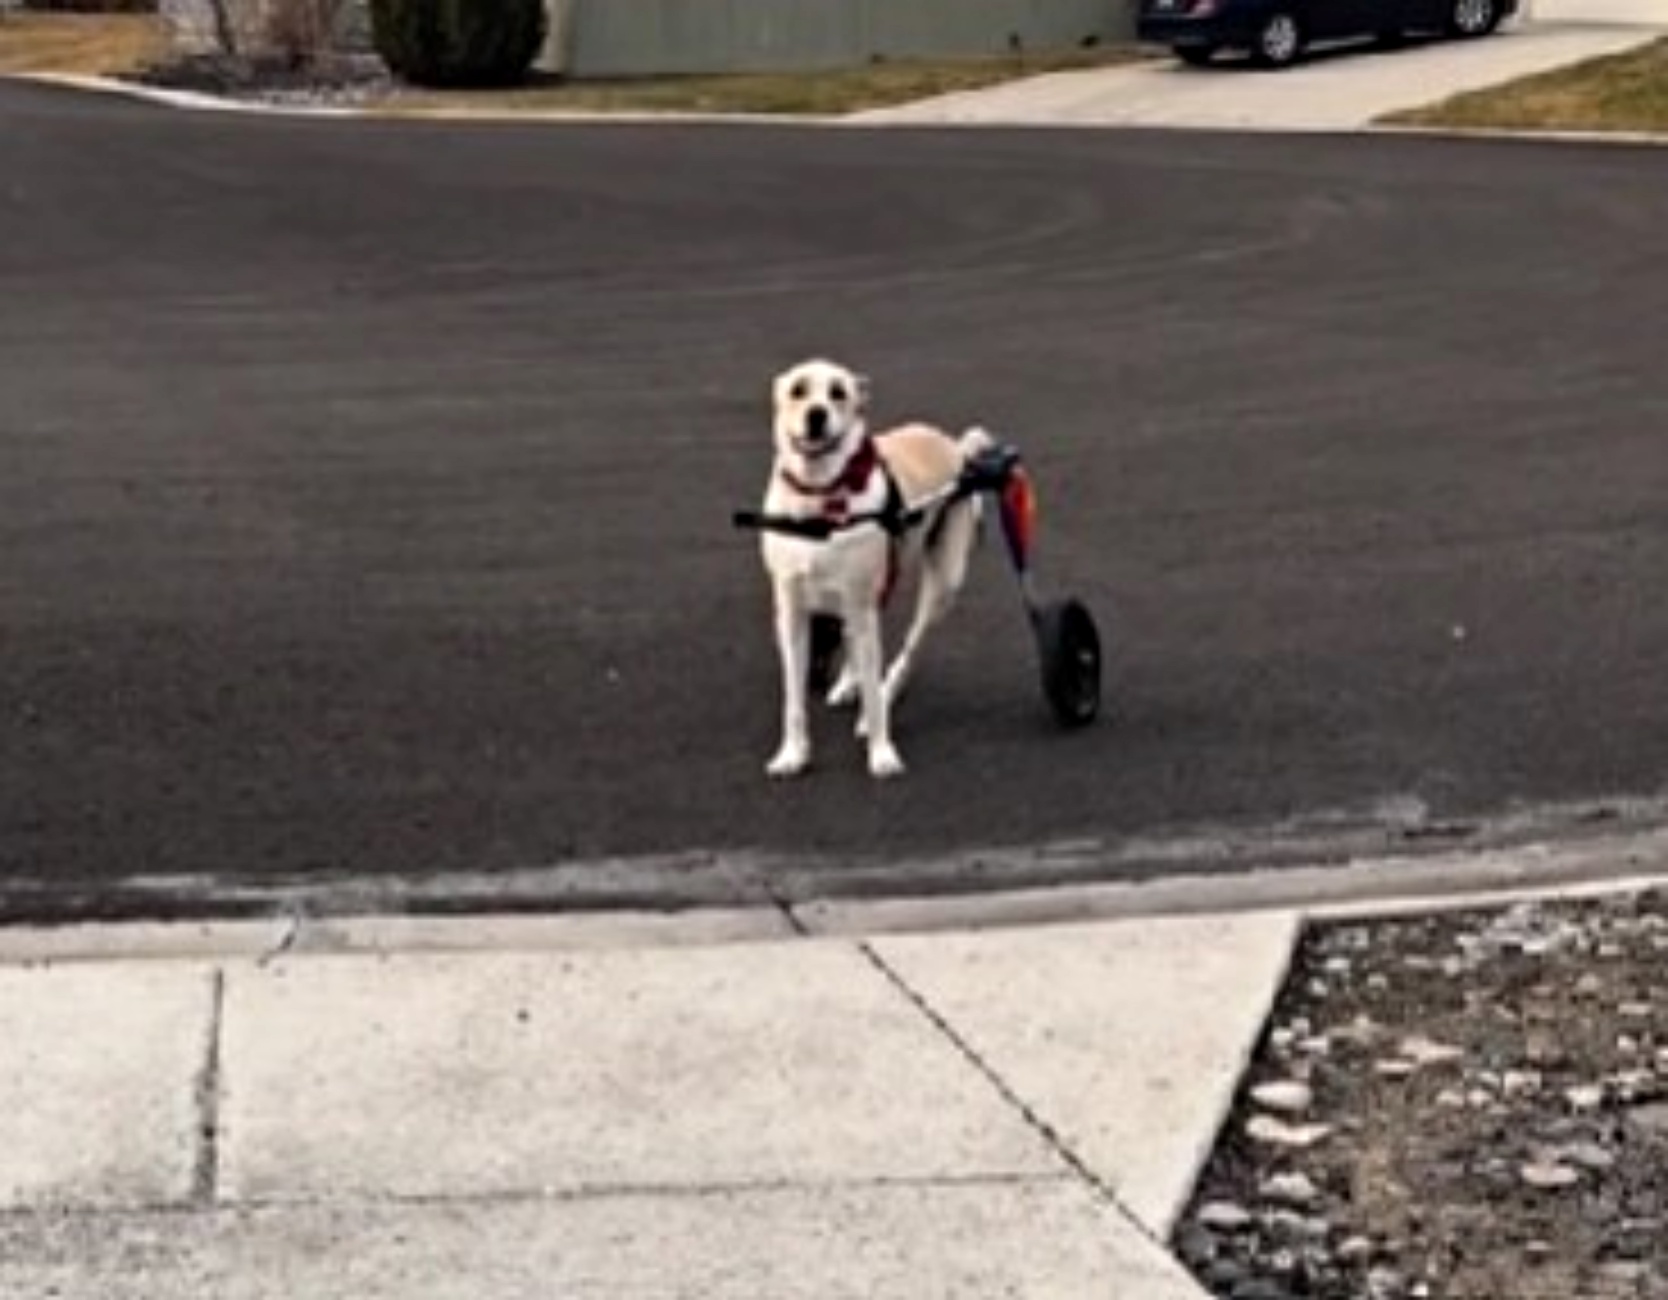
x,y
816,421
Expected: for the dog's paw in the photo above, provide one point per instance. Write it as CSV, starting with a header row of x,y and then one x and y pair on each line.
x,y
844,691
790,760
885,762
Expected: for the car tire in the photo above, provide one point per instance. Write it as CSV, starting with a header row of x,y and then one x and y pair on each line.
x,y
1278,40
1195,56
1468,19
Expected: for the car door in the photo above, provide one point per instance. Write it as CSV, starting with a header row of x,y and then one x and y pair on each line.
x,y
1425,15
1332,20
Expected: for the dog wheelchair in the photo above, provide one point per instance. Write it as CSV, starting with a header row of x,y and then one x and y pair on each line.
x,y
1066,636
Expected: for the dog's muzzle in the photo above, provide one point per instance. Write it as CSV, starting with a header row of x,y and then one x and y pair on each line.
x,y
816,437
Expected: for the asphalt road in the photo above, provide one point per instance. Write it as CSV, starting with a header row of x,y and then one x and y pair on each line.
x,y
364,488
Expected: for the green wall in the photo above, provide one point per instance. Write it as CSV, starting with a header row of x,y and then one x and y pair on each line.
x,y
643,37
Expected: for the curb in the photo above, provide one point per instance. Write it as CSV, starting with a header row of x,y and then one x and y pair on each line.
x,y
388,934
1523,135
180,99
198,101
1361,890
862,119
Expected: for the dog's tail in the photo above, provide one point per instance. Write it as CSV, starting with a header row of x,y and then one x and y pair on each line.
x,y
975,440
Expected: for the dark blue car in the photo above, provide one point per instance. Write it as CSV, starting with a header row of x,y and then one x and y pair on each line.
x,y
1277,32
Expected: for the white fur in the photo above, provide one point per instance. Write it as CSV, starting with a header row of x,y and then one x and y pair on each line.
x,y
846,574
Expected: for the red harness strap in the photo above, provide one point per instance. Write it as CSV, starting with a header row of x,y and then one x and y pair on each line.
x,y
836,500
853,479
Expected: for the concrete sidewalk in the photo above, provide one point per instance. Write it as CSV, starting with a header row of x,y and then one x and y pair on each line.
x,y
1331,92
697,1105
1017,1113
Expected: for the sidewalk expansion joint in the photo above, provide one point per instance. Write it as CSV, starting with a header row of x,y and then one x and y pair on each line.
x,y
790,914
295,921
359,1199
205,1179
610,1191
1055,1141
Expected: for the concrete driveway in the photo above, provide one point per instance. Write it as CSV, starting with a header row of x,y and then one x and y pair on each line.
x,y
1637,13
1333,91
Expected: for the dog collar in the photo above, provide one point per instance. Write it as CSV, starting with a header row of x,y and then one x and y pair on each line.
x,y
850,481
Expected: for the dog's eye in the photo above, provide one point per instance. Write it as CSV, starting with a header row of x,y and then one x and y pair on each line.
x,y
837,393
800,391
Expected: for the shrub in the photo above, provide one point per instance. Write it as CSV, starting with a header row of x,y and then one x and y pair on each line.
x,y
299,32
89,6
458,43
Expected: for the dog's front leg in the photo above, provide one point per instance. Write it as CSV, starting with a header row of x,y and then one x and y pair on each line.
x,y
793,647
863,644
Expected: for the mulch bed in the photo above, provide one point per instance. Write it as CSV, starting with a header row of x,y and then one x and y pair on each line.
x,y
1460,1106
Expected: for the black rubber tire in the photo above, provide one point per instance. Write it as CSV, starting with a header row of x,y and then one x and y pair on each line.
x,y
1069,654
1195,56
1267,52
1460,29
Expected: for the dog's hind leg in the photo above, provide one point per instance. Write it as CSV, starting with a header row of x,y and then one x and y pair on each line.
x,y
827,637
942,576
845,689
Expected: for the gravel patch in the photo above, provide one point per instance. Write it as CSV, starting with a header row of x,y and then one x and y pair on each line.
x,y
1463,1106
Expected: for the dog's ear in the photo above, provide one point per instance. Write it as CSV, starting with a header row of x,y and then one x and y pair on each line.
x,y
860,391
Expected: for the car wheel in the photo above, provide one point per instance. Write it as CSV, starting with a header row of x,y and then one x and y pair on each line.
x,y
1279,40
1196,56
1473,17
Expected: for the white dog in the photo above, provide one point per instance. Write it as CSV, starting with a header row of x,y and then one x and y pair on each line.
x,y
830,466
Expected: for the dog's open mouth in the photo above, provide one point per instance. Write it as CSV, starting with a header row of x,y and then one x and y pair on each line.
x,y
816,448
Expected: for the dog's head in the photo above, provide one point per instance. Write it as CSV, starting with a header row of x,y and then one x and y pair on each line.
x,y
819,411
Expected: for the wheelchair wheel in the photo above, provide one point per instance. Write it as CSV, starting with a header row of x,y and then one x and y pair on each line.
x,y
1068,647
